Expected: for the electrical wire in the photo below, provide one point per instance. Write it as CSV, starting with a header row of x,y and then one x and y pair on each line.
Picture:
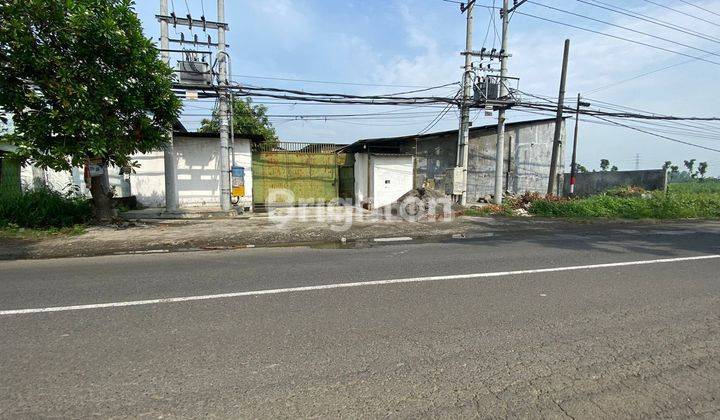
x,y
627,115
646,18
490,21
623,27
610,123
618,37
699,7
641,75
682,13
658,135
435,120
243,76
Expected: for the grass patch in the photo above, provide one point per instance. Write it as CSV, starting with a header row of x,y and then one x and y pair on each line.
x,y
686,202
489,210
16,232
650,205
706,186
42,208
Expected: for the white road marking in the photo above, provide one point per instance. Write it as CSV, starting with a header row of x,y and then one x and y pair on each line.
x,y
354,284
395,239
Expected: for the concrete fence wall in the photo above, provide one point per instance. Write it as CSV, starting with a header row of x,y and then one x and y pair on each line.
x,y
590,183
197,171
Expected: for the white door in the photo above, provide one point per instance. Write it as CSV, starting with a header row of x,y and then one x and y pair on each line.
x,y
392,177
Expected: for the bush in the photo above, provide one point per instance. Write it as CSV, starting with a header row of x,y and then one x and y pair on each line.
x,y
488,210
627,191
42,208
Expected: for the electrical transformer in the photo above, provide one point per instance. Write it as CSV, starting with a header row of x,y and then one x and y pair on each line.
x,y
487,89
195,73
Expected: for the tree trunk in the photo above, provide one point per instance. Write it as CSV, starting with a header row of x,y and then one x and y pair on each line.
x,y
102,197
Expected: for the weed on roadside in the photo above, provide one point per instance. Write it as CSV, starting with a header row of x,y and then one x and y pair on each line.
x,y
42,208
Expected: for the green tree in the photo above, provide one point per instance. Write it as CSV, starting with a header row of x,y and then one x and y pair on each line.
x,y
80,80
581,169
690,165
667,165
614,169
248,118
702,169
604,164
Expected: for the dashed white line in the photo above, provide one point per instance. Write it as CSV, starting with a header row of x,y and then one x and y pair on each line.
x,y
395,239
349,285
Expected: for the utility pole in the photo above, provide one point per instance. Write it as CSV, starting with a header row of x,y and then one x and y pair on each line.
x,y
573,165
637,162
500,147
223,111
557,142
171,201
464,132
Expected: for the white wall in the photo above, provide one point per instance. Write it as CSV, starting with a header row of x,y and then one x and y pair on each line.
x,y
360,171
392,177
147,183
67,181
197,171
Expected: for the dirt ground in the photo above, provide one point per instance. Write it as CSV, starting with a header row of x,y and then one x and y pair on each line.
x,y
320,230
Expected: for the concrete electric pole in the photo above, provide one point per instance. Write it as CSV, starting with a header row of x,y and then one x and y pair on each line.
x,y
573,165
195,74
557,142
500,147
171,201
225,204
464,132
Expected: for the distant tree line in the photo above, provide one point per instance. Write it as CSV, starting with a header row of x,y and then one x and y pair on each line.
x,y
690,172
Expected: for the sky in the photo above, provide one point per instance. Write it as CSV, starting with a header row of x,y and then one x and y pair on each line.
x,y
387,46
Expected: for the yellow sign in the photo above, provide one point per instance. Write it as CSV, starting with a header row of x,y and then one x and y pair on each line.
x,y
238,191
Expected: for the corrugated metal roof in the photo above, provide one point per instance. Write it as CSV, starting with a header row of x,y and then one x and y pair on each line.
x,y
358,144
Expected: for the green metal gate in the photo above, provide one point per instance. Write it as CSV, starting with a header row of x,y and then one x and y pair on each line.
x,y
346,176
308,171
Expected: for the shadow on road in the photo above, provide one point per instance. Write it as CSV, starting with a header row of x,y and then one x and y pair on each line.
x,y
653,238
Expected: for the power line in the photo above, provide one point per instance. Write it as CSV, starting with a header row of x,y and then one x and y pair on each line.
x,y
328,82
607,122
658,135
623,27
435,120
626,115
619,38
699,7
685,125
641,75
645,18
680,12
491,19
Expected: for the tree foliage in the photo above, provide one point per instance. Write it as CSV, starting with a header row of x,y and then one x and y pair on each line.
x,y
79,79
690,165
248,118
702,169
604,164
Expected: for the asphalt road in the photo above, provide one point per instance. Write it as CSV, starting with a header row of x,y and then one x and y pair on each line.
x,y
600,341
